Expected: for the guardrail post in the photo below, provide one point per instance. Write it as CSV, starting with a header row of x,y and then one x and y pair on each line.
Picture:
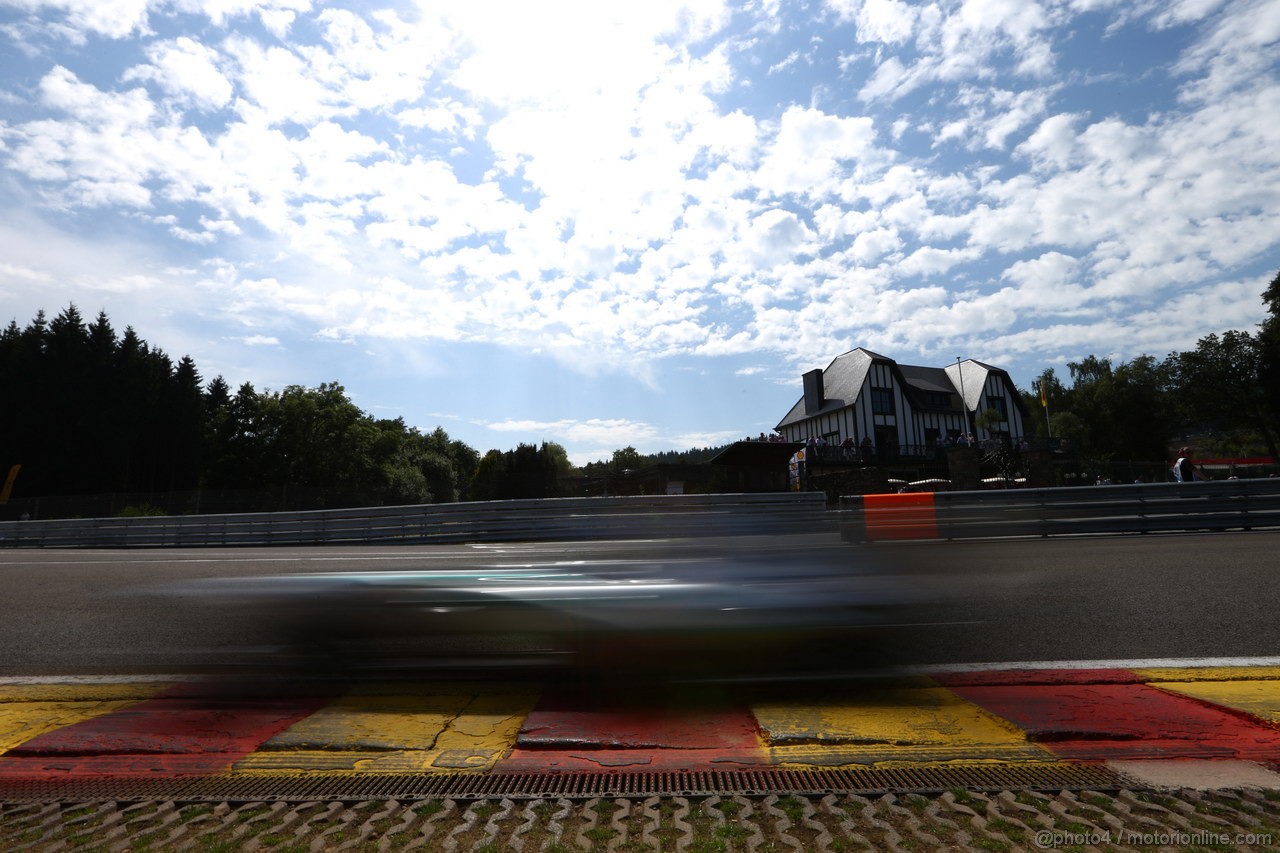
x,y
853,526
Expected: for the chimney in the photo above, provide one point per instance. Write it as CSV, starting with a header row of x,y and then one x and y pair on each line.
x,y
813,394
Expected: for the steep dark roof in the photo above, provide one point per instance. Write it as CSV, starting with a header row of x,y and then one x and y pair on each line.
x,y
927,378
932,380
844,377
841,380
757,454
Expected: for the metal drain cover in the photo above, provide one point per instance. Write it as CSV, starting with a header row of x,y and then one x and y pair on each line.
x,y
1046,776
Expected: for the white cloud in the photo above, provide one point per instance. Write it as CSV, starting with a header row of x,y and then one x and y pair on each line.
x,y
888,21
188,70
1236,49
118,19
957,41
1177,12
62,90
870,246
636,188
110,18
616,432
446,115
1052,145
598,438
809,150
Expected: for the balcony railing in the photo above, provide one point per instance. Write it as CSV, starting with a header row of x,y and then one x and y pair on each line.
x,y
827,455
906,453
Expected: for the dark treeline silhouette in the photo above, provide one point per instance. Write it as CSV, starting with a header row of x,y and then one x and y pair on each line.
x,y
1224,395
629,459
682,457
526,472
90,412
85,410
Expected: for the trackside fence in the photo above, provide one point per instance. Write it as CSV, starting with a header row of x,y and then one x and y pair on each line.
x,y
1136,508
552,519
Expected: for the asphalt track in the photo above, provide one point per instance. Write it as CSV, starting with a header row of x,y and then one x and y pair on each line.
x,y
81,694
1172,596
1035,695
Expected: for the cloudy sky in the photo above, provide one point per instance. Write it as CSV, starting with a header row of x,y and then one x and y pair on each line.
x,y
609,224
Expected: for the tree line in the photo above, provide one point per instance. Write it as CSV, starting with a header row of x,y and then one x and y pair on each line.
x,y
89,411
1224,395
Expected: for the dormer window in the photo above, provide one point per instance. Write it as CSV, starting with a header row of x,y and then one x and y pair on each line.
x,y
882,401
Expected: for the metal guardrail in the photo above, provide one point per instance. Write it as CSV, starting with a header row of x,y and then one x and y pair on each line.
x,y
552,519
1135,508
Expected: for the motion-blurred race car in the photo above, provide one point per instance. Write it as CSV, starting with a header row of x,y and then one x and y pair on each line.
x,y
723,613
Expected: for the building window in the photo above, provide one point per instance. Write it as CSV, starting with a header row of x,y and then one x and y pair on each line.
x,y
937,399
882,401
998,403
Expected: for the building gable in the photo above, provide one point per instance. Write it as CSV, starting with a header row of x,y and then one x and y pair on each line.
x,y
842,382
916,404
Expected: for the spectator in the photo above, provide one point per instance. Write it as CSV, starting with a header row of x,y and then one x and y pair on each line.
x,y
1185,469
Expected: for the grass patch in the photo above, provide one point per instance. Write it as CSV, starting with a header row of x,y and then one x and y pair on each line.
x,y
1009,828
216,845
142,843
1098,801
485,809
733,831
793,808
544,810
729,808
1027,798
600,834
915,802
429,808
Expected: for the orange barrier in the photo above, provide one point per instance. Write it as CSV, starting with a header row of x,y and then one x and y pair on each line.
x,y
908,515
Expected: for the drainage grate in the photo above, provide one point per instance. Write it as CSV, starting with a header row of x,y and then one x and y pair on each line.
x,y
1032,776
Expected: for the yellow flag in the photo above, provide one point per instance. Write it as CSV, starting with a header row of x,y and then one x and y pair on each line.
x,y
8,484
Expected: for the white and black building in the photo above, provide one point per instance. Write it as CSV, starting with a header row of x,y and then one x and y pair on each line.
x,y
903,409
